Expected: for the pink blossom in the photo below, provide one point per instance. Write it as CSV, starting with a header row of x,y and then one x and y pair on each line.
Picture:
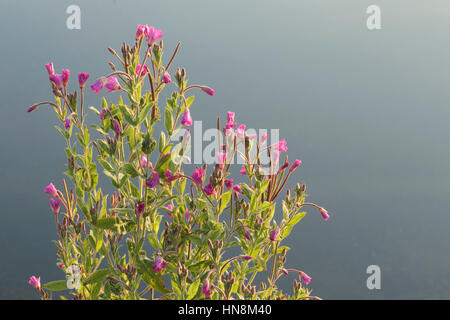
x,y
171,177
243,171
82,79
188,215
98,85
57,80
166,77
209,189
247,234
51,190
116,126
274,234
237,189
65,77
151,183
240,131
246,258
263,138
208,90
140,207
103,113
170,208
62,265
229,183
152,35
159,264
141,71
306,279
67,124
186,119
281,145
230,120
35,282
112,84
207,288
55,205
284,166
295,165
324,213
221,158
141,30
50,68
198,176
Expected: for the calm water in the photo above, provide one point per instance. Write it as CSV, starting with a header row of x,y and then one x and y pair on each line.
x,y
366,111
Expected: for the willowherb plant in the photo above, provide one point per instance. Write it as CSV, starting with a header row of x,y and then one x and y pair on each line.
x,y
164,234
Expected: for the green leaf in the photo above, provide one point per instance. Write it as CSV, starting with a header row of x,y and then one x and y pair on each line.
x,y
131,170
168,121
295,219
144,112
225,199
97,276
116,224
56,285
127,114
193,289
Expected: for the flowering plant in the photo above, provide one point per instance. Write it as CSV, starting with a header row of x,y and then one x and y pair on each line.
x,y
163,233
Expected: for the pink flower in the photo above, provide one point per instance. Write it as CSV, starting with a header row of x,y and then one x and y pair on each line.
x,y
284,166
116,126
221,158
62,265
33,107
240,131
247,234
246,258
237,189
209,189
140,207
281,145
159,264
144,163
67,124
141,30
230,120
324,213
103,113
152,35
141,71
207,288
274,234
55,205
243,172
171,177
50,68
82,79
166,77
306,279
65,77
229,183
35,282
57,80
295,165
198,176
170,208
263,138
51,190
98,85
186,119
188,215
151,183
112,84
208,90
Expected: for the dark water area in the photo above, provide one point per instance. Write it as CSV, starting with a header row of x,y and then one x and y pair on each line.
x,y
367,112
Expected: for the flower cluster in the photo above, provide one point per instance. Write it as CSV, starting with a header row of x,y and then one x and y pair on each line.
x,y
189,221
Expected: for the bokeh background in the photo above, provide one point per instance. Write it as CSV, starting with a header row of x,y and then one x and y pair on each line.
x,y
366,111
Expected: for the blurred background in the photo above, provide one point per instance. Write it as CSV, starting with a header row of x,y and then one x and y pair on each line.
x,y
366,111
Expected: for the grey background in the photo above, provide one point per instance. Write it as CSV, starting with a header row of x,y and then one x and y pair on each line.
x,y
366,111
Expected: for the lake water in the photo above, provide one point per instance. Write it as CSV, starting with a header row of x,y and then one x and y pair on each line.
x,y
366,111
